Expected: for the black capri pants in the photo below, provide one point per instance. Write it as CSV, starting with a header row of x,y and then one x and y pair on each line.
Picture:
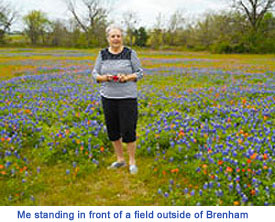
x,y
121,118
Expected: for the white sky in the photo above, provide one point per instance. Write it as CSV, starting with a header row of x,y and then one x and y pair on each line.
x,y
146,10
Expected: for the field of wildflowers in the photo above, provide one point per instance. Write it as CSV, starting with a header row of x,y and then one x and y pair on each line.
x,y
206,132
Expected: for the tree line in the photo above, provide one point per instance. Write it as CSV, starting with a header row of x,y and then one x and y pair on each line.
x,y
248,26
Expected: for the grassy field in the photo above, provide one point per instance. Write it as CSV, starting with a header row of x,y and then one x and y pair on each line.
x,y
206,131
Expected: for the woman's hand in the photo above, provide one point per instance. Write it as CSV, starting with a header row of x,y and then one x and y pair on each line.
x,y
125,78
104,78
122,78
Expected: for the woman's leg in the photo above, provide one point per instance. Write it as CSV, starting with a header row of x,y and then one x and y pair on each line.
x,y
118,150
128,121
131,150
110,108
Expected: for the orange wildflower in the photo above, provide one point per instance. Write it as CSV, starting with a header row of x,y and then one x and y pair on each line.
x,y
27,111
175,170
253,156
220,162
102,149
229,169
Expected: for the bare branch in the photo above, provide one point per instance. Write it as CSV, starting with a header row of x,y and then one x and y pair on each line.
x,y
254,10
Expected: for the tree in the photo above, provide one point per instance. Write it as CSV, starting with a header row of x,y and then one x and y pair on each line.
x,y
7,18
254,10
175,26
176,21
156,35
37,24
141,37
92,19
130,20
59,35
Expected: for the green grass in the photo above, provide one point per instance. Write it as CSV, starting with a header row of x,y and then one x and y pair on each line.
x,y
98,187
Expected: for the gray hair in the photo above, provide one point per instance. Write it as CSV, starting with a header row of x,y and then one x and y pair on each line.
x,y
111,27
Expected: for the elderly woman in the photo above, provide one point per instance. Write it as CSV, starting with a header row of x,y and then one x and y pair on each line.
x,y
117,69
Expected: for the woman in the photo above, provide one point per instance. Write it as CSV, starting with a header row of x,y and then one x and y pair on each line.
x,y
117,69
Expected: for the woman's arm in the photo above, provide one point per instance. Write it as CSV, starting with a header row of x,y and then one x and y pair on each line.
x,y
96,73
126,78
104,78
138,71
97,68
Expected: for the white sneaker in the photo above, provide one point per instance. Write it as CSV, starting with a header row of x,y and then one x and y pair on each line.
x,y
133,169
116,165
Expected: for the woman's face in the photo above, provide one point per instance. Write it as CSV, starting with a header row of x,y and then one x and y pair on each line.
x,y
115,38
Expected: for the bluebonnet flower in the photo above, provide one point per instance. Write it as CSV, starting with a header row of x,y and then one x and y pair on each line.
x,y
210,184
244,198
186,190
230,186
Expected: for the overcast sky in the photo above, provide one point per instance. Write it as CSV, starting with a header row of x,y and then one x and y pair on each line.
x,y
147,10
